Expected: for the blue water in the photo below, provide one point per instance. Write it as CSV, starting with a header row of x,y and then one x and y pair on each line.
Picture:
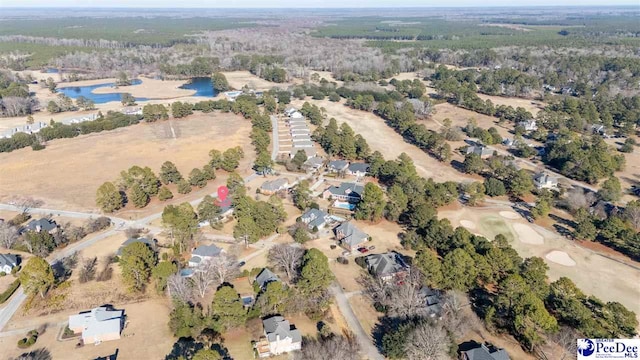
x,y
86,91
52,71
202,86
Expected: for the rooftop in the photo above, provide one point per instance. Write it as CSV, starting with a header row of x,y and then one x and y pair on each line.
x,y
278,327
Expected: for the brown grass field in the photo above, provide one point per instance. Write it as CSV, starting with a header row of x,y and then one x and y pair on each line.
x,y
67,173
382,138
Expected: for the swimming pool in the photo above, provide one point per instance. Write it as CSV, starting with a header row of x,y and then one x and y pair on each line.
x,y
344,205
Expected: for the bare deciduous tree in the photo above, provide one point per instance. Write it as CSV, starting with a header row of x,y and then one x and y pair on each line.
x,y
559,346
180,288
286,258
427,342
27,203
224,267
88,270
332,347
8,235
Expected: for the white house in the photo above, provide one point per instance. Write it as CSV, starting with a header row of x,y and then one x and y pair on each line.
x,y
203,253
98,325
545,181
8,262
529,125
279,337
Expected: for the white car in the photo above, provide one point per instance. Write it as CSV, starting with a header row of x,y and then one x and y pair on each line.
x,y
346,253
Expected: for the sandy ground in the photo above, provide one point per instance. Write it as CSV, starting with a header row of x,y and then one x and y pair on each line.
x,y
509,215
67,173
608,279
384,139
468,224
149,88
560,257
146,336
532,106
527,234
460,117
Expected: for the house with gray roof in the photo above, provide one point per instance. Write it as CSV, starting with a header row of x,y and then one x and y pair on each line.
x,y
273,186
349,236
350,192
484,352
298,125
42,224
300,137
432,300
358,169
336,166
279,337
310,151
315,218
265,277
290,110
98,325
545,181
480,150
303,144
313,163
203,253
151,243
300,131
387,266
8,262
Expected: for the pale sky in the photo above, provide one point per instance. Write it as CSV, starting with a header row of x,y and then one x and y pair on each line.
x,y
304,3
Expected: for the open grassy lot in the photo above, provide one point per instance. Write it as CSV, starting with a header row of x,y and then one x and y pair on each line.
x,y
238,79
67,173
384,139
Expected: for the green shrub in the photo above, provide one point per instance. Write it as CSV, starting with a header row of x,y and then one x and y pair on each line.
x,y
7,293
2,273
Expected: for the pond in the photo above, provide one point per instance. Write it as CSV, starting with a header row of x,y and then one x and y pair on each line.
x,y
202,86
87,91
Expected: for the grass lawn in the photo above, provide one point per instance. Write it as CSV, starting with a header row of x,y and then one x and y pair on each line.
x,y
493,225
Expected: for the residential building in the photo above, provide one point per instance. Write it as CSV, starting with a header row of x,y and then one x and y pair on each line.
x,y
303,144
151,243
336,166
296,115
484,352
232,95
279,337
300,131
304,138
310,151
27,129
545,181
349,236
529,125
298,125
387,266
273,186
481,150
432,301
289,111
203,253
98,325
313,163
315,218
350,192
8,262
42,224
265,277
358,169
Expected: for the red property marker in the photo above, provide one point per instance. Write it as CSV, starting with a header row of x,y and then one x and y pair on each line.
x,y
223,191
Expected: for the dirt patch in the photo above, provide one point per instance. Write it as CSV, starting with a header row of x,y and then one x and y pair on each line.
x,y
560,257
67,173
509,215
527,234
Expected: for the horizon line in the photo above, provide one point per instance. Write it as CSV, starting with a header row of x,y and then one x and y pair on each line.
x,y
330,8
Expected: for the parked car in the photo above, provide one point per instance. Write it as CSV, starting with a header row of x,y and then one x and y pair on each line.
x,y
363,250
346,253
372,247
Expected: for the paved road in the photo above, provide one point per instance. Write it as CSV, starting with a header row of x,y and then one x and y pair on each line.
x,y
274,137
71,214
366,343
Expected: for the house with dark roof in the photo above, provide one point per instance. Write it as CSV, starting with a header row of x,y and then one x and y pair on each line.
x,y
350,192
315,218
349,236
279,337
432,301
484,352
98,325
480,150
42,224
273,186
336,166
8,262
203,253
265,277
151,243
387,266
358,169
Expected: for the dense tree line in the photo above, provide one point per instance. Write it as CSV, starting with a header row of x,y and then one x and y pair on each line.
x,y
341,141
112,120
15,99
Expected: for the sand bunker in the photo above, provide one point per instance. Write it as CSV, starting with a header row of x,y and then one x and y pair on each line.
x,y
509,215
468,224
527,234
560,257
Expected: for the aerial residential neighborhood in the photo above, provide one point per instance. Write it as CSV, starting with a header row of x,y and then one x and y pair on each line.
x,y
319,180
